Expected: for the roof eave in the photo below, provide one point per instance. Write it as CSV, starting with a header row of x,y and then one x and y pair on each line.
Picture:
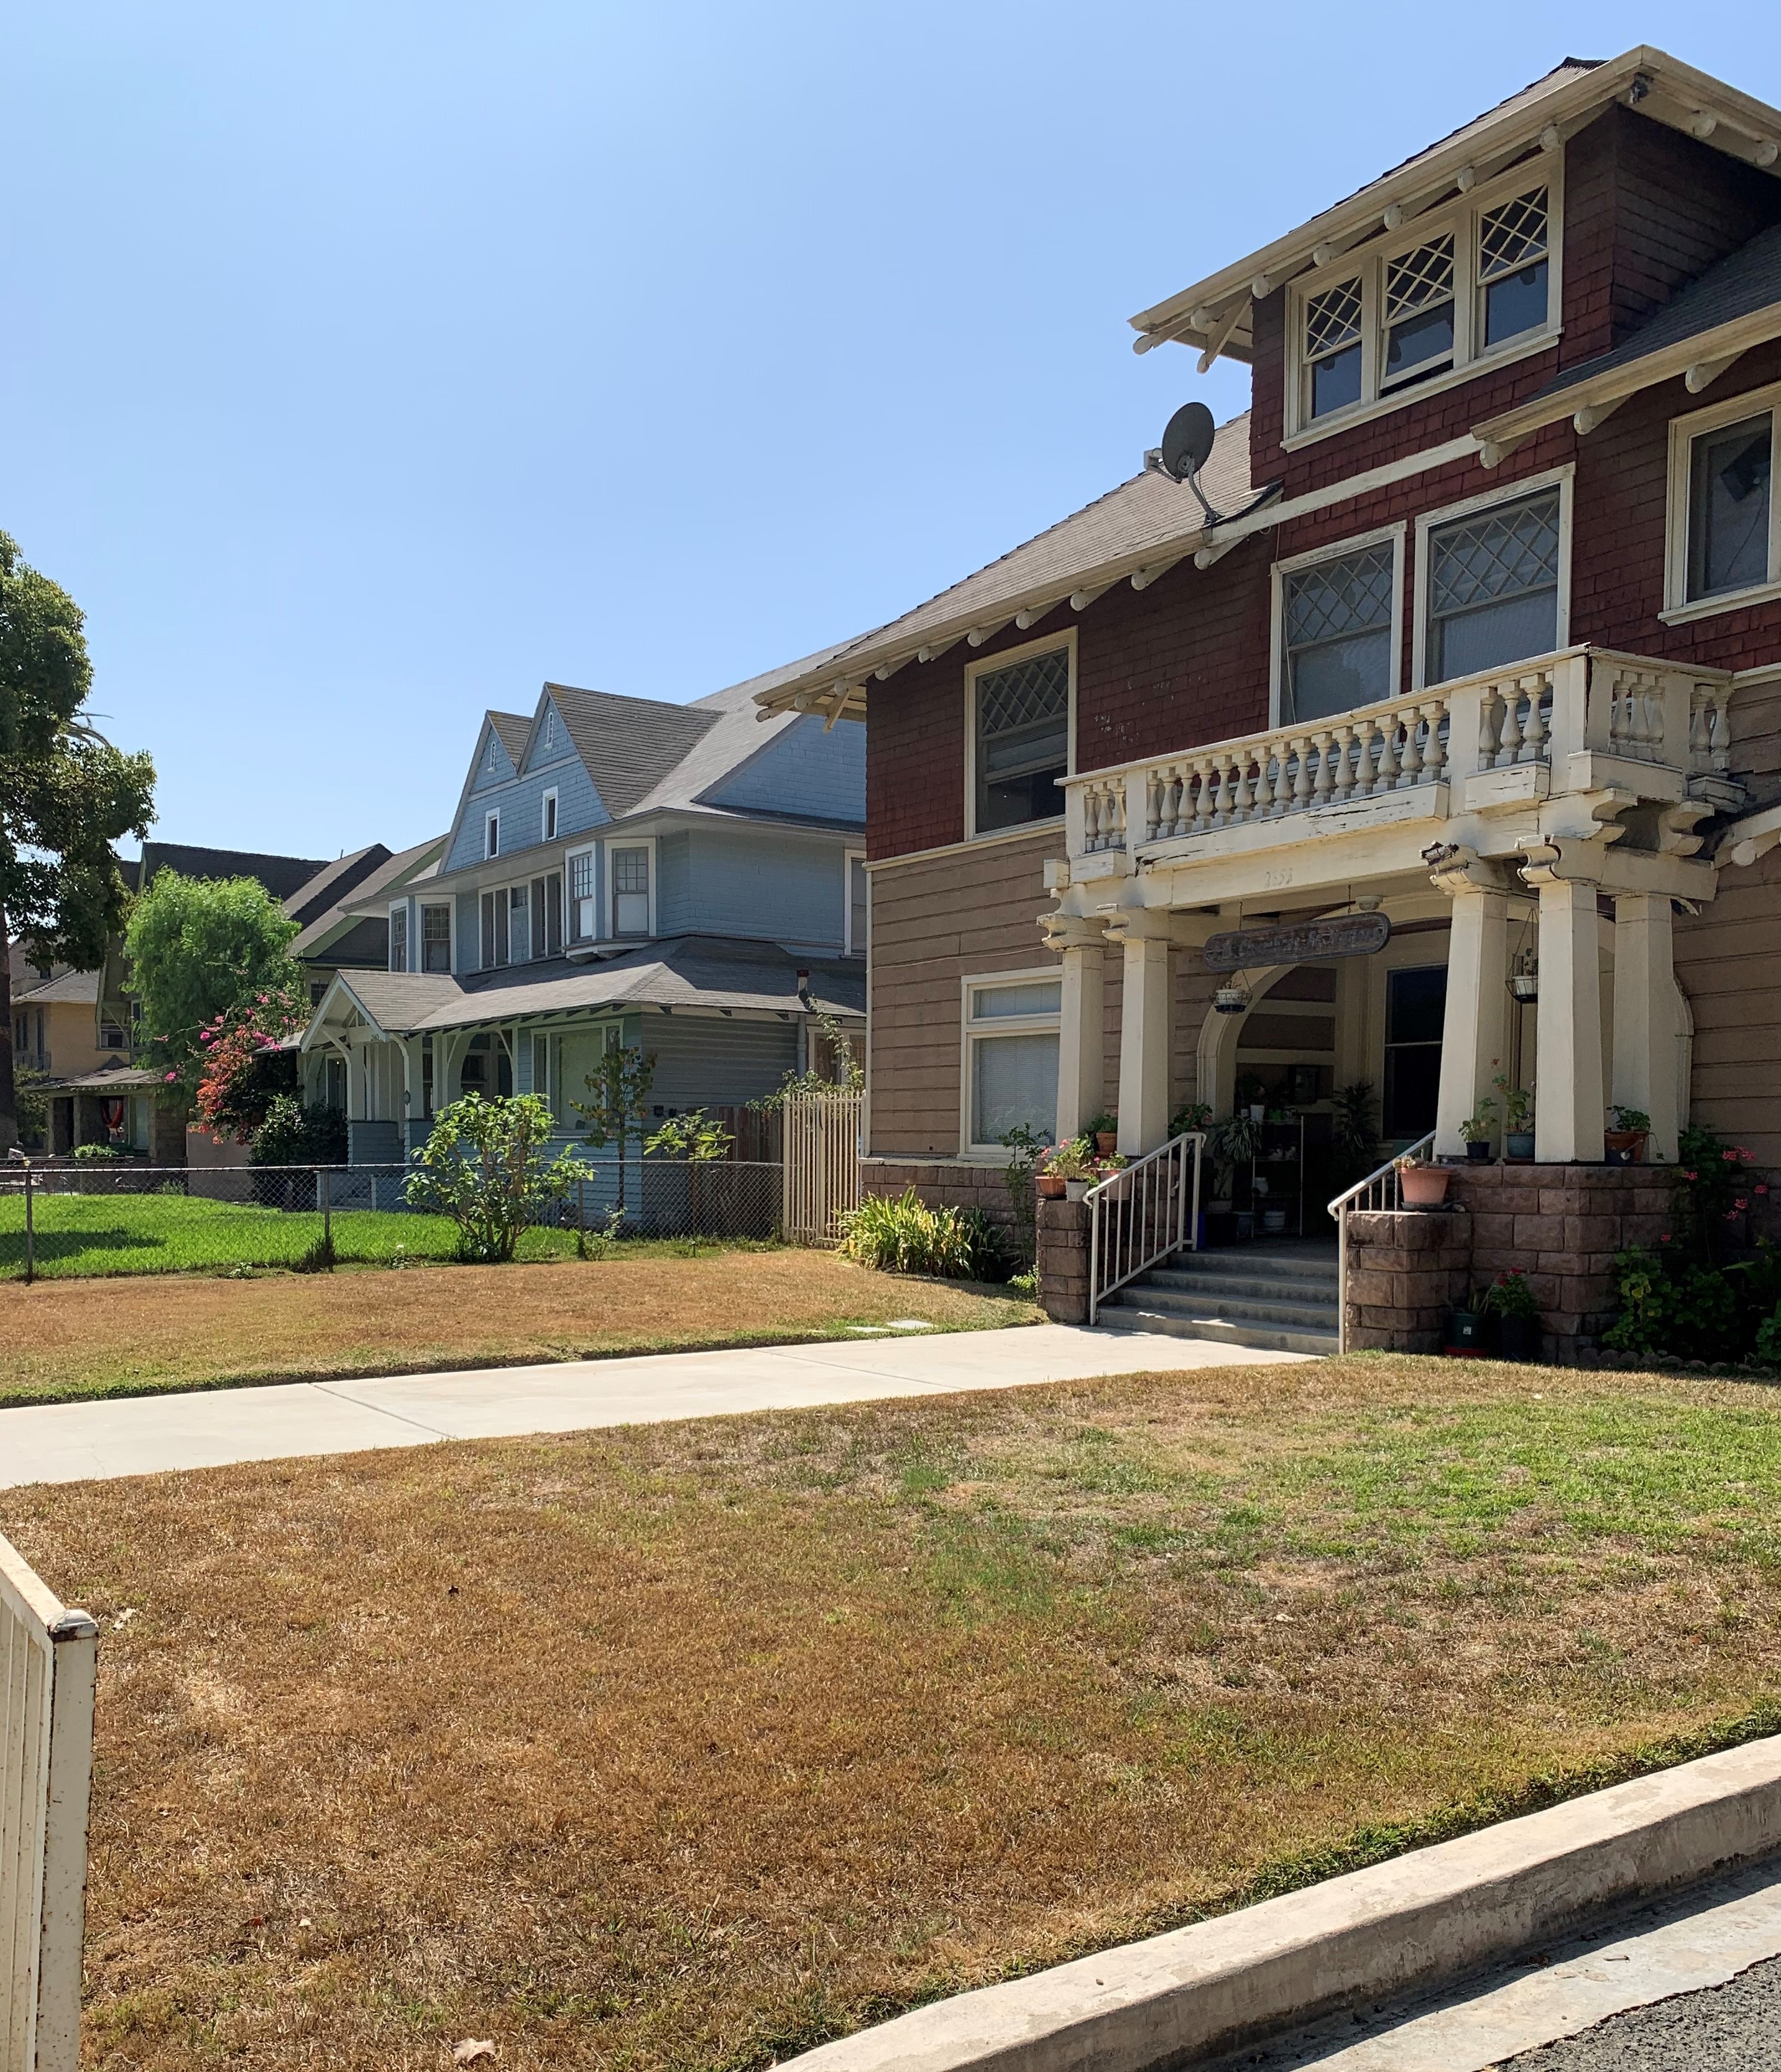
x,y
1677,94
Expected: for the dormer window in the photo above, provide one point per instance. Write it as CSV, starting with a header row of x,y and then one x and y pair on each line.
x,y
1432,304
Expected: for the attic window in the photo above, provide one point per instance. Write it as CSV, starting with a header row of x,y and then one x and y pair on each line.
x,y
494,755
550,729
1470,281
491,835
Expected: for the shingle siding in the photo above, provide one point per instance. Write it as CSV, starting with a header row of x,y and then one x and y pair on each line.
x,y
806,771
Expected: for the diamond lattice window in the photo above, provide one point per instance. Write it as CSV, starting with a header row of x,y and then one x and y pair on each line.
x,y
1512,236
1337,633
1023,740
1493,588
1338,597
1420,278
1332,320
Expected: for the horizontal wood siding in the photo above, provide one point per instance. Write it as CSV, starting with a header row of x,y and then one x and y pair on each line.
x,y
1728,964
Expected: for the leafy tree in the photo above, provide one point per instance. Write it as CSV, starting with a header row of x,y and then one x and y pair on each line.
x,y
620,1085
697,1138
483,1164
206,956
291,1134
66,796
241,1069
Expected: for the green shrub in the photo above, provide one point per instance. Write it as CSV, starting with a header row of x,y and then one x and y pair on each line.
x,y
1768,1340
904,1236
1671,1304
99,1154
294,1135
486,1164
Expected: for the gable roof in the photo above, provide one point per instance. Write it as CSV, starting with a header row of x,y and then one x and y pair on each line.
x,y
1137,531
512,729
348,909
281,875
331,883
1734,305
627,745
1214,314
80,987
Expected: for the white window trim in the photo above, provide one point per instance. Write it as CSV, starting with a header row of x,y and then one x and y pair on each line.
x,y
591,849
451,906
1564,480
410,947
849,857
1276,675
1460,217
548,812
1006,1024
491,834
1684,431
610,903
1003,659
504,892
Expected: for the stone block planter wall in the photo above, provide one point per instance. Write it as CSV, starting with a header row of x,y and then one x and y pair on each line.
x,y
1064,1261
1406,1270
943,1184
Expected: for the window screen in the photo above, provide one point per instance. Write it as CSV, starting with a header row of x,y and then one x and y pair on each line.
x,y
1023,740
436,938
1729,507
1337,628
1493,587
1013,1080
1416,1007
631,891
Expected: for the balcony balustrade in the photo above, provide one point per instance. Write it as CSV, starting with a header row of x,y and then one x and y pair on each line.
x,y
1587,719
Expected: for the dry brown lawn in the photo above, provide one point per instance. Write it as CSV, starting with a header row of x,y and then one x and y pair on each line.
x,y
60,1339
692,1745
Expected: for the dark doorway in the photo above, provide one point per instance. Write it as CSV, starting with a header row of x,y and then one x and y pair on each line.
x,y
1416,1006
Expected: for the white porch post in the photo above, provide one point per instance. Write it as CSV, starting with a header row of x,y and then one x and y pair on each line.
x,y
1474,1034
1143,1037
1568,1102
1082,1040
1644,1014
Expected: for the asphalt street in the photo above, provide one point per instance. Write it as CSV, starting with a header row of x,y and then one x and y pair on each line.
x,y
1733,2027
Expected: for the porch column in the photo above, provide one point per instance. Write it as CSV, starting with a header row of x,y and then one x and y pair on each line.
x,y
355,1062
1144,1033
1644,1015
1082,1036
1568,1102
1474,1034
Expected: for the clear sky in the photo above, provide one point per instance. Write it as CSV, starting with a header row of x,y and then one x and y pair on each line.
x,y
364,366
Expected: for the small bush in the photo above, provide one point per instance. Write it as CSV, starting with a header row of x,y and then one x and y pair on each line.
x,y
1768,1340
904,1236
98,1154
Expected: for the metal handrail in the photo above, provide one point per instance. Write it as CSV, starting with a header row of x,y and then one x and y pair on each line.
x,y
1382,1177
1148,1215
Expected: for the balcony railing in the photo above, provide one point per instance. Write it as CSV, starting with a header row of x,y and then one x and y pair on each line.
x,y
1497,736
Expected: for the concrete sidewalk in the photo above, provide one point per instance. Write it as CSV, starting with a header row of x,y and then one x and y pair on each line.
x,y
67,1442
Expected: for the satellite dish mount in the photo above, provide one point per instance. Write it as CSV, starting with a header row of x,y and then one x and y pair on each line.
x,y
1186,446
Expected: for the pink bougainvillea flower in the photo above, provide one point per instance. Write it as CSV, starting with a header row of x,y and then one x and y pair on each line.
x,y
171,1077
1691,1176
1762,1187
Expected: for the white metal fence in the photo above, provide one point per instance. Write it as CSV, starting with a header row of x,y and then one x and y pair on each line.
x,y
822,1165
1144,1211
47,1657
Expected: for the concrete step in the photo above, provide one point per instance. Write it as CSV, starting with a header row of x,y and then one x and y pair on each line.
x,y
1219,1287
1127,1312
1251,1261
1271,1308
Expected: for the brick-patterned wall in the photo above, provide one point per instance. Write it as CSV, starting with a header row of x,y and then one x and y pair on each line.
x,y
1063,1261
943,1185
1560,1225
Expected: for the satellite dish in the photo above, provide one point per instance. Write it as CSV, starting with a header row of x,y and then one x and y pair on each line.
x,y
1187,441
1186,446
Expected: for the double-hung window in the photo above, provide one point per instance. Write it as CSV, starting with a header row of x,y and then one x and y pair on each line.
x,y
436,938
583,907
495,929
547,916
856,905
1490,586
630,891
398,938
1019,710
1725,546
1468,282
1338,618
1010,1056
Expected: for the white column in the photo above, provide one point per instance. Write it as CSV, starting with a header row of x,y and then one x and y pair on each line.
x,y
1568,1102
1144,1045
1474,1035
1644,1015
1082,1040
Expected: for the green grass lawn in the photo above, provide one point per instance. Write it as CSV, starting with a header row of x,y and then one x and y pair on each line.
x,y
83,1235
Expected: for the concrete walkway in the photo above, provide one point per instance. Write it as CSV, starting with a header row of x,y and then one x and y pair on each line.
x,y
67,1442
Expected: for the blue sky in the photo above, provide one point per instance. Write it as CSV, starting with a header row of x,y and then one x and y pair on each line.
x,y
365,366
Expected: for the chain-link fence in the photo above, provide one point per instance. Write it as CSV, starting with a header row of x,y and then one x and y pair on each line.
x,y
122,1218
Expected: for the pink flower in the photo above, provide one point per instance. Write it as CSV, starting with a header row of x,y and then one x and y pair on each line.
x,y
1732,1157
171,1077
1762,1187
1740,1203
1691,1176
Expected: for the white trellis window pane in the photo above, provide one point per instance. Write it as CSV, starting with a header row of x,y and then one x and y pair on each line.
x,y
631,891
1493,588
581,896
1419,311
1014,1082
1729,507
1332,346
1512,266
1023,740
1337,625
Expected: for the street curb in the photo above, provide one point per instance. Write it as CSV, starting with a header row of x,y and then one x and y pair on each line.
x,y
1432,1915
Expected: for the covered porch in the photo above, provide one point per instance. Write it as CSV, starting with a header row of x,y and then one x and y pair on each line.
x,y
1540,823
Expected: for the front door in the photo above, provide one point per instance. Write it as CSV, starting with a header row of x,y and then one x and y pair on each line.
x,y
1416,1006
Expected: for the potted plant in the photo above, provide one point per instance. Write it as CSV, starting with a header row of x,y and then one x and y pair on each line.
x,y
1252,1093
1421,1186
1073,1164
1518,1138
1468,1326
1190,1119
1624,1145
1047,1185
1476,1131
1510,1302
1104,1130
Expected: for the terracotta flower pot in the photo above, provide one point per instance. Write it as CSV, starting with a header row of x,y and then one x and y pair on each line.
x,y
1425,1186
1625,1147
1049,1186
1106,1142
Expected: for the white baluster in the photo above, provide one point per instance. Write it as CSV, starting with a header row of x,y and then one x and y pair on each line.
x,y
1203,796
1344,767
1385,777
1411,772
1508,738
1435,748
1279,783
1533,741
1302,774
1325,776
1700,730
1489,725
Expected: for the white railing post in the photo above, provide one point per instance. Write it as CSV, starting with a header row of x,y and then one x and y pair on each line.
x,y
1140,1214
1383,1180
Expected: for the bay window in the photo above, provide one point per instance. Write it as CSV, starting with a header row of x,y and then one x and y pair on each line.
x,y
436,938
630,891
583,912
